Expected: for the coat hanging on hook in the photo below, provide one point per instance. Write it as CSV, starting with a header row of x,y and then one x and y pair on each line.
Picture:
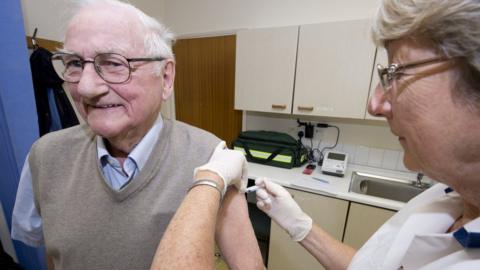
x,y
53,106
34,39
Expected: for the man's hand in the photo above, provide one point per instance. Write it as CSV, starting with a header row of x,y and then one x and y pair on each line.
x,y
230,165
277,203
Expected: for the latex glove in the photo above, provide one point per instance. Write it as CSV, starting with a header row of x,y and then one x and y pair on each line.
x,y
230,165
277,203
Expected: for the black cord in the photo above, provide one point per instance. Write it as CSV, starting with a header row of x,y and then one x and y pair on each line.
x,y
328,147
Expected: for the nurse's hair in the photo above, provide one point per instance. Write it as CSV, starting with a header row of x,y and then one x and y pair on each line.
x,y
452,26
157,40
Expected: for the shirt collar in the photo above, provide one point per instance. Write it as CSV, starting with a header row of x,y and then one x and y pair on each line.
x,y
469,235
141,152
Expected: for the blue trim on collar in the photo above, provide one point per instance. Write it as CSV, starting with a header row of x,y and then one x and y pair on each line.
x,y
467,239
448,190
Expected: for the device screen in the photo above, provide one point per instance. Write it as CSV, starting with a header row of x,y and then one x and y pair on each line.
x,y
336,156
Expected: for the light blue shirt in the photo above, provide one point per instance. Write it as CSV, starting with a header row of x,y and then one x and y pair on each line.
x,y
27,223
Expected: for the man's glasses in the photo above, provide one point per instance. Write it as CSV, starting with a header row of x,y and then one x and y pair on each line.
x,y
389,74
111,67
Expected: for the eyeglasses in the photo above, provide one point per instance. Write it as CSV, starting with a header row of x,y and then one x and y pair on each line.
x,y
390,73
111,67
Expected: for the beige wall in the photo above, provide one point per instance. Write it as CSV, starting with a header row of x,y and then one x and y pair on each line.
x,y
191,17
50,16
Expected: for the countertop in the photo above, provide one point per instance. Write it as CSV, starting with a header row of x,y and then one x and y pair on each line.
x,y
336,187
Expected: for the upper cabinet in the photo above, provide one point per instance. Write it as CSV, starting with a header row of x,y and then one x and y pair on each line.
x,y
334,66
265,69
320,69
382,59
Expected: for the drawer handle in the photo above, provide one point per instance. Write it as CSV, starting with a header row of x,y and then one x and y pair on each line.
x,y
277,106
301,108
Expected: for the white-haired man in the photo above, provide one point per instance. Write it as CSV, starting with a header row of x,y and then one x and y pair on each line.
x,y
100,195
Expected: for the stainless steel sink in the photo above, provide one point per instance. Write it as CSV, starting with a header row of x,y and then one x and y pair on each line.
x,y
385,187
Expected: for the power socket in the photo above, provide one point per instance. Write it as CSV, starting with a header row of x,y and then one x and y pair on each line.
x,y
309,128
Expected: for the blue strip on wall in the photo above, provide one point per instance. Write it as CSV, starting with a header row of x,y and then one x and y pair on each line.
x,y
18,117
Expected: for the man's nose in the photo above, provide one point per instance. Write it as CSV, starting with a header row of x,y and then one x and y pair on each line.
x,y
91,84
379,105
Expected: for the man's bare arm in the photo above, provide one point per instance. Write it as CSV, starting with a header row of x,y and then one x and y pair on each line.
x,y
235,235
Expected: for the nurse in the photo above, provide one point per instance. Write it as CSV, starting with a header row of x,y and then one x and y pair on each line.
x,y
430,95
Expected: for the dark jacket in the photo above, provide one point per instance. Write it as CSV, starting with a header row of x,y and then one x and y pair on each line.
x,y
45,79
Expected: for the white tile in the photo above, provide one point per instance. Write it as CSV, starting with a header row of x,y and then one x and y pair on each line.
x,y
400,166
361,155
375,157
390,159
350,150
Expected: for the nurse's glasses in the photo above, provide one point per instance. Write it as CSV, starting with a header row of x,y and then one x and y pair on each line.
x,y
389,73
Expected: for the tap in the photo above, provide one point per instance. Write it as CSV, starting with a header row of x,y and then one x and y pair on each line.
x,y
418,183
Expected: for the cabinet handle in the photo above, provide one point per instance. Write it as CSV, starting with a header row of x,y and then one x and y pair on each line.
x,y
277,106
301,108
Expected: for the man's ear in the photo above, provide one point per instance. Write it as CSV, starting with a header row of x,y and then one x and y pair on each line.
x,y
168,79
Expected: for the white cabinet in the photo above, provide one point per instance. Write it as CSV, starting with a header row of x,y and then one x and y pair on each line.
x,y
265,69
363,221
334,67
329,74
382,59
329,213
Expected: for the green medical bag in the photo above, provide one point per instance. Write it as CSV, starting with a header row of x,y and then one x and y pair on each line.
x,y
271,148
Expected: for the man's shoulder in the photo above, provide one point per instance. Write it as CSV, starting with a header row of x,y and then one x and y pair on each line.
x,y
192,132
68,137
192,137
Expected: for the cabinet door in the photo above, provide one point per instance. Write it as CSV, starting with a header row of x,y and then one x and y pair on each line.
x,y
329,213
334,67
265,68
382,59
363,221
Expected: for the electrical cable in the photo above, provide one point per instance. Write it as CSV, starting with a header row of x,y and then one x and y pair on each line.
x,y
328,147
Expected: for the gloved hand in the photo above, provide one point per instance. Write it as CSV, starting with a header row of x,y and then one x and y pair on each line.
x,y
277,203
230,165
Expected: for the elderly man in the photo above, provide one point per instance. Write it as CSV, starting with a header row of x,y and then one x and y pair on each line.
x,y
100,195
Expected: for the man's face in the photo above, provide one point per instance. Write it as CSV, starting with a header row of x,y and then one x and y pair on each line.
x,y
123,111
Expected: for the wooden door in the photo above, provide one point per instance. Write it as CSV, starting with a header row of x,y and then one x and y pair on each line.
x,y
205,85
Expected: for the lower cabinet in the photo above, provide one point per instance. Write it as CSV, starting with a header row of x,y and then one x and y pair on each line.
x,y
331,215
363,221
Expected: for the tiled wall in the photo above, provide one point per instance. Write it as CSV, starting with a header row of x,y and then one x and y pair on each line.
x,y
373,157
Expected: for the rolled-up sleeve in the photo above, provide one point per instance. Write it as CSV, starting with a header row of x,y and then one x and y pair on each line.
x,y
26,222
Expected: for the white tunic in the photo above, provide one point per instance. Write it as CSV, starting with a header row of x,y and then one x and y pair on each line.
x,y
416,238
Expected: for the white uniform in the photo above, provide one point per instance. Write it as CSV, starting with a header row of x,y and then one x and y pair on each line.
x,y
416,238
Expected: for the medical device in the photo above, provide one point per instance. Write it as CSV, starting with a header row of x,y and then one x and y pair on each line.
x,y
334,163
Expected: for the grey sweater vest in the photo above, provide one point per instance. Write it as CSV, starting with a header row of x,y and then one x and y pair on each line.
x,y
88,225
